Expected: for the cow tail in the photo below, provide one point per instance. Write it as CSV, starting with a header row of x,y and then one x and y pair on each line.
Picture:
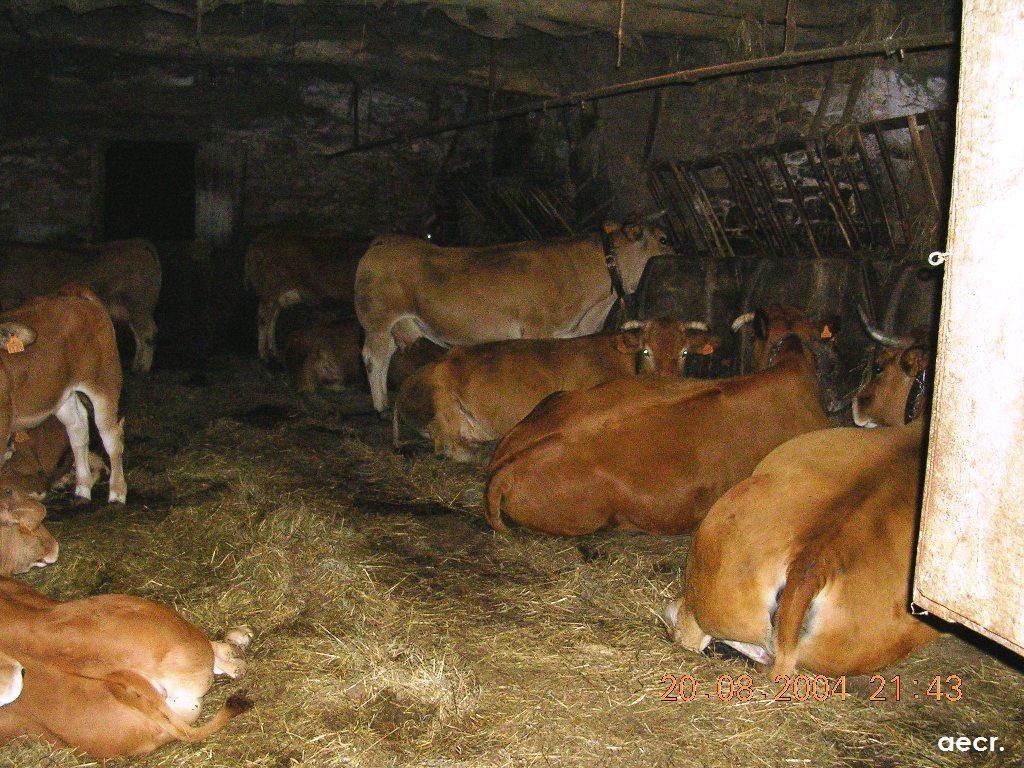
x,y
495,497
807,576
136,692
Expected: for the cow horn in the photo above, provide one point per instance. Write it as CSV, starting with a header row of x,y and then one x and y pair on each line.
x,y
696,325
651,218
742,320
632,325
883,338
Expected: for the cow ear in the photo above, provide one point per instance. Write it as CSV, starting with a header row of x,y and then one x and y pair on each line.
x,y
630,339
913,361
761,324
633,231
13,335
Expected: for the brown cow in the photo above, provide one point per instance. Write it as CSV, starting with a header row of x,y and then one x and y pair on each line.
x,y
326,352
285,268
477,394
407,288
39,462
654,453
24,541
125,274
895,384
110,675
56,348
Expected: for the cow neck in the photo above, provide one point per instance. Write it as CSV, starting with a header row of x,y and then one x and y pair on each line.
x,y
611,262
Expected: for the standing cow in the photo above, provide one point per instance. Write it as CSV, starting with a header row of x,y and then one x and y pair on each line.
x,y
654,453
407,288
807,563
125,274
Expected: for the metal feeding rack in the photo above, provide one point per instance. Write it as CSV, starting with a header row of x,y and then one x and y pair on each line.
x,y
856,190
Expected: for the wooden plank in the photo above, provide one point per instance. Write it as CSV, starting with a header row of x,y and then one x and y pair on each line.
x,y
970,560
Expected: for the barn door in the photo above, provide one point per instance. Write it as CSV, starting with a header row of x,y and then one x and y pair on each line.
x,y
219,169
970,564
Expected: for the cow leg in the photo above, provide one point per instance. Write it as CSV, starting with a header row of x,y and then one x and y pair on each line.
x,y
75,418
144,331
112,433
683,626
377,352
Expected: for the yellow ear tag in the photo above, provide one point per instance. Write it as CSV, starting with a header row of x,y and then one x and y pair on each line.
x,y
14,345
707,349
826,333
21,437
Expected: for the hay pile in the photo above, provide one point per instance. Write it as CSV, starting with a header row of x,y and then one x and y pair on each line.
x,y
394,628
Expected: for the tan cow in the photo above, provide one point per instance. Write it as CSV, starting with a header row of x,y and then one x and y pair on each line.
x,y
285,268
24,541
654,453
478,393
38,460
895,385
125,274
407,288
54,349
111,675
807,563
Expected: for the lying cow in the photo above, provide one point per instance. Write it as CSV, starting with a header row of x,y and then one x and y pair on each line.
x,y
111,675
325,352
407,288
39,460
477,394
125,274
808,562
52,350
286,268
24,541
654,453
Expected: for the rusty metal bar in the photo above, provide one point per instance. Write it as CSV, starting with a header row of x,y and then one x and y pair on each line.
x,y
841,212
933,117
770,203
652,125
709,207
676,216
869,173
897,194
747,208
699,214
690,76
797,201
854,183
922,161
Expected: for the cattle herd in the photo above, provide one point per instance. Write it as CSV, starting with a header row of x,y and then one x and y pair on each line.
x,y
802,533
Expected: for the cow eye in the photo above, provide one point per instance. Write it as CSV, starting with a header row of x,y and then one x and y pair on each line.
x,y
8,491
647,352
663,239
876,369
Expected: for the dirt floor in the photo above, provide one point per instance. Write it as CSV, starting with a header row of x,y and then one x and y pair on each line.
x,y
394,628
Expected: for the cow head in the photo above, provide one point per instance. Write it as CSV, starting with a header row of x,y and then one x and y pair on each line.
x,y
11,679
24,541
664,345
640,242
894,387
782,326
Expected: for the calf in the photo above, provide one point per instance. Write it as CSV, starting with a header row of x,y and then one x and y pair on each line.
x,y
477,394
808,562
652,452
111,674
52,350
39,460
24,541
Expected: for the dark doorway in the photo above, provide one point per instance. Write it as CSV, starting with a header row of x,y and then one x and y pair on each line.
x,y
150,190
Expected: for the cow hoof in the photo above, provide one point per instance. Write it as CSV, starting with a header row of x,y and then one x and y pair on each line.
x,y
240,637
118,497
83,493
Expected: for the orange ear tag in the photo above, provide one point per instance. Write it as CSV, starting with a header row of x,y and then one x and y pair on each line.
x,y
707,349
14,345
826,333
21,437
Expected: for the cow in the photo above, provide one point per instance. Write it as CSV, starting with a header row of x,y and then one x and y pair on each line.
x,y
38,460
895,382
52,350
807,563
476,394
111,675
284,268
654,453
407,288
24,541
325,352
125,274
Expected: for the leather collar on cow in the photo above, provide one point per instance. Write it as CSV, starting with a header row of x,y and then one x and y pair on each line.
x,y
916,396
611,261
